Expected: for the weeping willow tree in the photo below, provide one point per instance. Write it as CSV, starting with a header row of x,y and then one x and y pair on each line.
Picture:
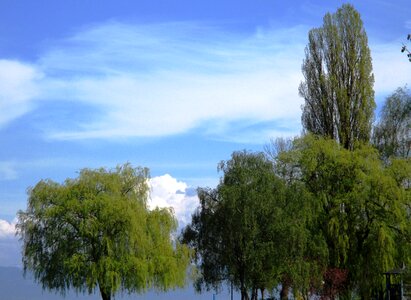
x,y
392,134
95,232
363,215
251,230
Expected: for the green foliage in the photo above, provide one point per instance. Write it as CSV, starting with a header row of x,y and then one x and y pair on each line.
x,y
251,230
392,134
363,214
96,230
338,79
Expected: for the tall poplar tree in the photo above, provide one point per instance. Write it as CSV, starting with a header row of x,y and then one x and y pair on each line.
x,y
338,80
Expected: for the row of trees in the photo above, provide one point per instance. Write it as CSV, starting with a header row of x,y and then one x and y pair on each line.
x,y
316,218
326,213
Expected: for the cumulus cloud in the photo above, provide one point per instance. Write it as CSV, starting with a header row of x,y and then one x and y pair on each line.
x,y
7,229
18,88
167,191
10,247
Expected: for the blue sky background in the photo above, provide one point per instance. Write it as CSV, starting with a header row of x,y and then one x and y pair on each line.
x,y
175,86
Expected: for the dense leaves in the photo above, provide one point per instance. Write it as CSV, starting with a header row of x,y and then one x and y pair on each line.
x,y
96,231
252,229
312,217
363,214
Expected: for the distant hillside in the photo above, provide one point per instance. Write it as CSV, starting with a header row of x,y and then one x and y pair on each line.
x,y
13,286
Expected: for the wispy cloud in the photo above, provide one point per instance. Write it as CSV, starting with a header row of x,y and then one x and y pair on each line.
x,y
164,79
18,88
126,80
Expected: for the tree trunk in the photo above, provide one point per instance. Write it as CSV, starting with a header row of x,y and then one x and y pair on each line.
x,y
244,294
104,295
262,294
284,291
254,294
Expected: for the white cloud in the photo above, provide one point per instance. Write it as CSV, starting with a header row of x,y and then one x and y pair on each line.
x,y
10,247
164,79
7,229
136,80
18,88
166,191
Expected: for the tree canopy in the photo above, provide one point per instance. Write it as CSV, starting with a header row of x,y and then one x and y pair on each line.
x,y
363,215
95,231
251,230
338,80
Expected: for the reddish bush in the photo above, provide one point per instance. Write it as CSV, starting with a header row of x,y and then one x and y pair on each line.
x,y
335,281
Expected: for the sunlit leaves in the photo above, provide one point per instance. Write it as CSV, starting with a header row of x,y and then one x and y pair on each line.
x,y
363,202
96,231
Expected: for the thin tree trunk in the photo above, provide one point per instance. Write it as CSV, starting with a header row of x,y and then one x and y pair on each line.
x,y
254,294
104,295
284,291
244,294
262,294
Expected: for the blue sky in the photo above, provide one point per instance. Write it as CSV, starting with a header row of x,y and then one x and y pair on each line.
x,y
175,86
